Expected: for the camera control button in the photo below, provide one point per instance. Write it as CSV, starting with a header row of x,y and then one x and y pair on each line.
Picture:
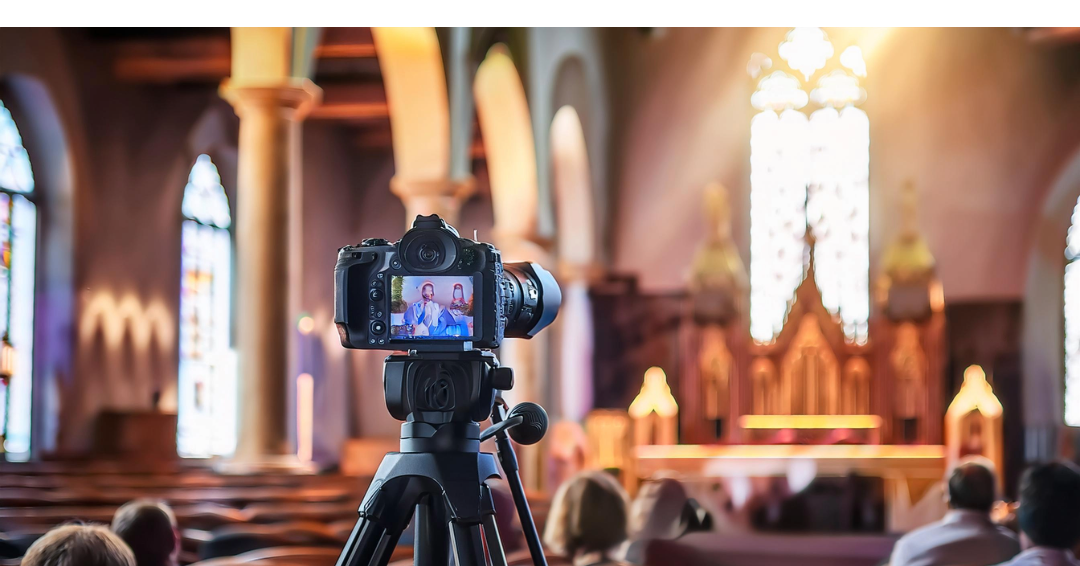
x,y
374,242
376,294
378,327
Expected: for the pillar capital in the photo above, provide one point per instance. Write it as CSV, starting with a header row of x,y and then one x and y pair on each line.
x,y
294,98
432,196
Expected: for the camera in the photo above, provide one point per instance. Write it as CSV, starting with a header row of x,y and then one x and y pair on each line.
x,y
444,300
435,291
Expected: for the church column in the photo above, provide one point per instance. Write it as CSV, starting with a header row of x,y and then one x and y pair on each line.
x,y
432,196
411,62
269,150
271,104
575,351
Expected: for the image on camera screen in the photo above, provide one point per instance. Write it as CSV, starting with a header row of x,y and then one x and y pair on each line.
x,y
437,307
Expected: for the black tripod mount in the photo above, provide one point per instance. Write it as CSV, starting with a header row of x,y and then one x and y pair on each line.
x,y
439,474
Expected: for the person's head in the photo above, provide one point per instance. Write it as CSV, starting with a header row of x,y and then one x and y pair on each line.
x,y
427,291
658,511
588,514
973,486
79,545
149,528
1049,500
459,291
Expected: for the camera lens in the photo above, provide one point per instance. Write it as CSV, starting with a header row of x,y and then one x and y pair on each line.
x,y
531,299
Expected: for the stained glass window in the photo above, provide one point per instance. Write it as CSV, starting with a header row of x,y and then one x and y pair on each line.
x,y
1072,321
809,172
18,239
207,384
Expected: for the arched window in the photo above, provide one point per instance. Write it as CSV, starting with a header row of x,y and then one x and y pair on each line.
x,y
809,171
18,239
207,384
1072,320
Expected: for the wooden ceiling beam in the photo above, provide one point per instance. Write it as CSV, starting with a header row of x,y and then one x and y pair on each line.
x,y
194,59
352,102
352,111
170,60
346,51
1053,35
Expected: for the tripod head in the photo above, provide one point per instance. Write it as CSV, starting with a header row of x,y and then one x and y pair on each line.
x,y
443,396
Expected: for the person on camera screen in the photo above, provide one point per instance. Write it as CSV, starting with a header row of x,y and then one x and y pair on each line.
x,y
426,316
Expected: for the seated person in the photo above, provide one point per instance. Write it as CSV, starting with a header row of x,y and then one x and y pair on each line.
x,y
79,545
149,529
587,521
1049,515
966,535
427,316
661,511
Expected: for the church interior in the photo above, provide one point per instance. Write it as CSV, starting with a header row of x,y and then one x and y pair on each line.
x,y
903,204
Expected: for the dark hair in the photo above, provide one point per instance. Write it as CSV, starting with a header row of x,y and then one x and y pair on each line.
x,y
972,486
1049,512
79,545
149,528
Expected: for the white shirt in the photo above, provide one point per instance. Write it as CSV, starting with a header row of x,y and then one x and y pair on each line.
x,y
1043,556
962,538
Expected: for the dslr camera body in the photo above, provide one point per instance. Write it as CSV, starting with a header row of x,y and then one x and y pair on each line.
x,y
434,291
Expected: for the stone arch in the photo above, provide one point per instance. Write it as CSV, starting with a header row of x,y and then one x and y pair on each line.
x,y
47,143
506,128
1043,317
412,69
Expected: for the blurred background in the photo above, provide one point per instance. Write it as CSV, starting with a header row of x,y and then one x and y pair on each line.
x,y
805,271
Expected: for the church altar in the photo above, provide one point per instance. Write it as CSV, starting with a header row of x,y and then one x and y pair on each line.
x,y
820,397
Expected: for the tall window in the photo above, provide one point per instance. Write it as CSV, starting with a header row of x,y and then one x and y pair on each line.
x,y
1072,320
18,239
809,172
207,385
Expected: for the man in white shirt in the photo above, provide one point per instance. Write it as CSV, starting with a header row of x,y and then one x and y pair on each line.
x,y
966,536
1049,515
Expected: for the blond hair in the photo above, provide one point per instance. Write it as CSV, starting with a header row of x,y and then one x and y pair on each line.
x,y
79,545
588,514
658,512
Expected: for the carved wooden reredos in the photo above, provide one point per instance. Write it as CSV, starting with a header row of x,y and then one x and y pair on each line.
x,y
734,390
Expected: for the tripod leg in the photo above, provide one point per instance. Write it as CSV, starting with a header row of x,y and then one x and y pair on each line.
x,y
369,545
430,545
468,544
376,533
491,528
494,543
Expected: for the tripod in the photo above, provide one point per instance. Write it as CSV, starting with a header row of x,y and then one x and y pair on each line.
x,y
440,473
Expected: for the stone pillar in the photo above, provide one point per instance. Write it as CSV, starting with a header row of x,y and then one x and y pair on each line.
x,y
432,196
269,156
575,335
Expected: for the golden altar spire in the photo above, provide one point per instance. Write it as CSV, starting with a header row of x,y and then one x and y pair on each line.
x,y
908,259
717,275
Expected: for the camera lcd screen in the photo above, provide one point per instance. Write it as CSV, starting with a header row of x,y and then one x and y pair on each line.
x,y
431,307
